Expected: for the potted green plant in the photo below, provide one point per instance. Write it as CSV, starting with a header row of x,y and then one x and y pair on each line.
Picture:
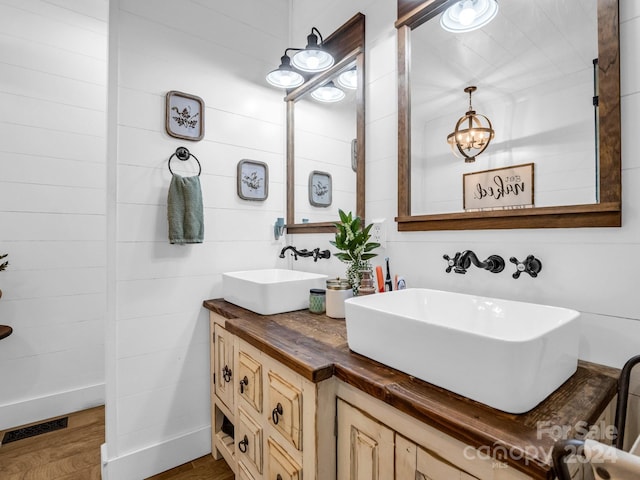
x,y
352,239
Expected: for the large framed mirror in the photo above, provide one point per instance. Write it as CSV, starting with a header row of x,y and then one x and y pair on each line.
x,y
547,74
326,140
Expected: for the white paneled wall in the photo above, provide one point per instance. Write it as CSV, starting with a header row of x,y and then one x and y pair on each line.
x,y
53,57
158,406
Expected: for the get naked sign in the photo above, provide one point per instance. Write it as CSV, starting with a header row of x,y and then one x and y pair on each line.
x,y
509,187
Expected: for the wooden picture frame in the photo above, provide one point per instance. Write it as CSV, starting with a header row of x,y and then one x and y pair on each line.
x,y
184,116
320,189
499,188
253,180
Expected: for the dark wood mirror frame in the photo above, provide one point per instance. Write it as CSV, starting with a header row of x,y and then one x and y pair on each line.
x,y
607,213
346,45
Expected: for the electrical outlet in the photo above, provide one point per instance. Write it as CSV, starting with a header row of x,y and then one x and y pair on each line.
x,y
378,232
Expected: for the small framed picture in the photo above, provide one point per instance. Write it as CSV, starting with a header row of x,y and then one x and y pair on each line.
x,y
185,116
320,189
253,180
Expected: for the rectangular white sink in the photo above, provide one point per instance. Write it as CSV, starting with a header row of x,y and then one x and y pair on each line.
x,y
506,354
270,291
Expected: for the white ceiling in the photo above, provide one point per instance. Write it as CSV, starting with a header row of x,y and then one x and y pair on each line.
x,y
530,45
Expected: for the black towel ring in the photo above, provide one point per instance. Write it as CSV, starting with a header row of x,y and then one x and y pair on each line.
x,y
184,154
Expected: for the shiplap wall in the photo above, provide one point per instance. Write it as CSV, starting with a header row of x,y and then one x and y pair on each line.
x,y
52,206
158,405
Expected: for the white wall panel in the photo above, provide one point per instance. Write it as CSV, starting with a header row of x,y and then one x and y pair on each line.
x,y
52,207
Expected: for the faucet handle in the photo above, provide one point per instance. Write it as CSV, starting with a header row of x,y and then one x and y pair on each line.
x,y
530,265
451,262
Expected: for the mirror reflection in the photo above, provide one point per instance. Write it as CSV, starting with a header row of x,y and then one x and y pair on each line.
x,y
533,70
325,130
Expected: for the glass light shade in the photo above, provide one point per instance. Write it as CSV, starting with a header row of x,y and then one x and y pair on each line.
x,y
471,141
284,76
313,58
349,79
328,93
468,15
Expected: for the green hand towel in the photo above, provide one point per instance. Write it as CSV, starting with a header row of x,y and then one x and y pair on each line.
x,y
185,212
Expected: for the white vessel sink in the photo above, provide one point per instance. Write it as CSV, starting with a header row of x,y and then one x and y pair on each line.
x,y
270,291
508,355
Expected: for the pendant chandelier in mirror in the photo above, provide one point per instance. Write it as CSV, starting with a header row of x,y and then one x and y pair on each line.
x,y
472,134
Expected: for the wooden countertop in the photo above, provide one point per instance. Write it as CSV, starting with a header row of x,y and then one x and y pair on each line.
x,y
315,346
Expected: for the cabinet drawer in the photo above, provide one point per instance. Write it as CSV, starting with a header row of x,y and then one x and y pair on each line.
x,y
285,405
248,439
281,465
243,472
431,467
250,380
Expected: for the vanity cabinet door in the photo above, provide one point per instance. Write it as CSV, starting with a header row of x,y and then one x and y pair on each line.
x,y
248,438
285,409
365,446
281,465
223,363
249,380
413,461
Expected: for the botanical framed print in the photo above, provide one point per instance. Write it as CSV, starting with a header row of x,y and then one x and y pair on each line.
x,y
320,189
253,180
185,116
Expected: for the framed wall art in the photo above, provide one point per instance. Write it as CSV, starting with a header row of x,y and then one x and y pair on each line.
x,y
320,189
185,116
253,180
499,188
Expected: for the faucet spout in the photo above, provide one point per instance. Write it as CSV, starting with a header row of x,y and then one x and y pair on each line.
x,y
494,263
289,247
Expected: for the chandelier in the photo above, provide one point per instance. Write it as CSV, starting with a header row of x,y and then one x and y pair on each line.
x,y
472,134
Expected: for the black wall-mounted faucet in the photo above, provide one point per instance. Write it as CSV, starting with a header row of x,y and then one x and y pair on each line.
x,y
315,253
462,261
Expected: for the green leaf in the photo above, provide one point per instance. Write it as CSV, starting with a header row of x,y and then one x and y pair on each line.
x,y
370,246
345,257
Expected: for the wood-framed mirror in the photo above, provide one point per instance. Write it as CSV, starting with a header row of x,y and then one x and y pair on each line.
x,y
346,165
604,211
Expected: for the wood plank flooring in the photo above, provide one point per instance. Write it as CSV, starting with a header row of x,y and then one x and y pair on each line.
x,y
73,453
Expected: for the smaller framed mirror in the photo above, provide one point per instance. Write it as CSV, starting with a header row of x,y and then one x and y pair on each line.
x,y
307,135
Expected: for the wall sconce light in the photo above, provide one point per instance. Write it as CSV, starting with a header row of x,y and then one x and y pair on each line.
x,y
468,15
328,93
472,134
313,58
285,76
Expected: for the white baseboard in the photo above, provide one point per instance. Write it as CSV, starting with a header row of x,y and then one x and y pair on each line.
x,y
157,458
54,405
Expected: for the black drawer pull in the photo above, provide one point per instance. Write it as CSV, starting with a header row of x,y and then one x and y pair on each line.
x,y
226,373
243,383
242,445
278,477
276,412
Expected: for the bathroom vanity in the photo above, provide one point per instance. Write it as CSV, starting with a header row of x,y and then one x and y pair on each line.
x,y
302,404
